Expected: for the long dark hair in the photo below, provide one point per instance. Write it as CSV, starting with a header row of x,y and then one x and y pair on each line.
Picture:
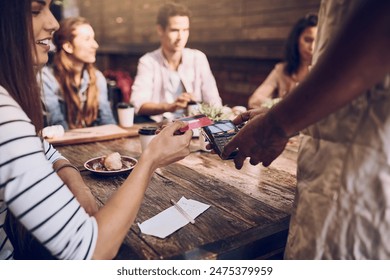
x,y
17,73
18,77
292,56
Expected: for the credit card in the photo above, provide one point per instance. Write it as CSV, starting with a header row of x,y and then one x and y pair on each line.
x,y
195,122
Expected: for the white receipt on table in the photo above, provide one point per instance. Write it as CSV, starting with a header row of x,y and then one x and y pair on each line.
x,y
170,220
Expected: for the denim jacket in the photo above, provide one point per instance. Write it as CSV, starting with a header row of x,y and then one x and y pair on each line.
x,y
55,105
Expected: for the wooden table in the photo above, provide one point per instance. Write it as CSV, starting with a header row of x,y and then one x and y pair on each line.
x,y
249,213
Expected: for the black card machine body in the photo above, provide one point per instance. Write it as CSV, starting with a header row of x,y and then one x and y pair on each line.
x,y
219,134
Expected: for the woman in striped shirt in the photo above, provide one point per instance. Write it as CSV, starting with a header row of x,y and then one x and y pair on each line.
x,y
38,187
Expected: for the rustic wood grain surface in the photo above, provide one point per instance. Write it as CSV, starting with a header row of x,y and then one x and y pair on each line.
x,y
93,134
249,213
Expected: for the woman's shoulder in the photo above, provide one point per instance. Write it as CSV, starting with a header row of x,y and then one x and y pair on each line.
x,y
47,74
101,81
279,67
99,74
47,70
7,102
279,70
6,98
3,90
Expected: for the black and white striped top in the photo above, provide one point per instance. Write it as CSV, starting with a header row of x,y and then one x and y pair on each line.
x,y
34,193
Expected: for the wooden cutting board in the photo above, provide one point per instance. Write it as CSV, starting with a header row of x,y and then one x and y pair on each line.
x,y
93,134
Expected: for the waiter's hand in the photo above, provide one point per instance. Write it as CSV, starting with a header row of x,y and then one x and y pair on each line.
x,y
261,139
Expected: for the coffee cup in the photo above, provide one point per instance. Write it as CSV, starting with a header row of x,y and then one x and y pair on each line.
x,y
192,108
125,114
146,134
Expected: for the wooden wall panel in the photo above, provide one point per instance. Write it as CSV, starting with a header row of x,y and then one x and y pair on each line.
x,y
243,39
129,25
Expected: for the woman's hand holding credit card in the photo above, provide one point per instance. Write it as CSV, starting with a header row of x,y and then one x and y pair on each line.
x,y
196,121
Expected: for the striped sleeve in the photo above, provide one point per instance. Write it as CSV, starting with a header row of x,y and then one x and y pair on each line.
x,y
51,153
6,248
34,193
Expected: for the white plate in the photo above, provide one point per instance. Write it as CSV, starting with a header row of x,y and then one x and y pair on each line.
x,y
95,165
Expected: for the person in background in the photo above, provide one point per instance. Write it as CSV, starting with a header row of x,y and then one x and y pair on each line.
x,y
341,208
170,77
74,91
40,189
286,75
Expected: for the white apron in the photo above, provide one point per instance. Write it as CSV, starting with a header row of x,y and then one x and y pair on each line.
x,y
342,204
